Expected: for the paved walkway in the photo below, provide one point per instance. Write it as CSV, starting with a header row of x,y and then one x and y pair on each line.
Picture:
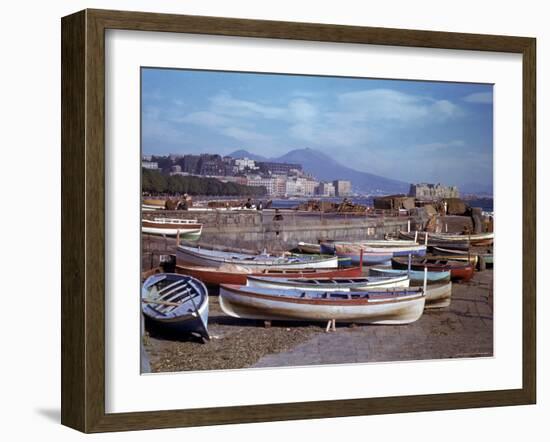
x,y
465,329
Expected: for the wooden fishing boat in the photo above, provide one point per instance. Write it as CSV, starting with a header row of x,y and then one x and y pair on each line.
x,y
153,204
441,250
188,229
416,276
177,302
434,239
390,306
357,254
215,258
304,247
486,255
370,248
460,271
233,274
330,284
438,295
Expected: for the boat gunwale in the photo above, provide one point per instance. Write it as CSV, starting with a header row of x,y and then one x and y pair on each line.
x,y
328,302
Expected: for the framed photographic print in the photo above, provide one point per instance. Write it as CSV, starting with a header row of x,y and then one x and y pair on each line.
x,y
268,220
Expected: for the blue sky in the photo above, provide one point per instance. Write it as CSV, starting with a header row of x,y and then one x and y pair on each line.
x,y
408,130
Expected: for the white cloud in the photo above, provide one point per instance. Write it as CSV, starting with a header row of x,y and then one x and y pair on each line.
x,y
205,118
386,104
479,97
302,110
225,104
244,135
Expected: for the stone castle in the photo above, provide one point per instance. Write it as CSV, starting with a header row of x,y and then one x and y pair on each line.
x,y
425,191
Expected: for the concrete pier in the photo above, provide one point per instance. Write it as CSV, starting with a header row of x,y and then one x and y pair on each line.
x,y
256,230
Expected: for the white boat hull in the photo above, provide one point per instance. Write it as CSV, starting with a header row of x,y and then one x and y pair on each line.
x,y
205,258
188,234
439,295
401,311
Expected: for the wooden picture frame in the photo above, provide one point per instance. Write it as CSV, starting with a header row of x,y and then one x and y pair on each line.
x,y
83,220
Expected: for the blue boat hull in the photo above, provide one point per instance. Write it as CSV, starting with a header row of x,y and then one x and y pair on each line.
x,y
414,275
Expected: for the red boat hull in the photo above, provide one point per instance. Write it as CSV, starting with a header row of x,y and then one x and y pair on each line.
x,y
459,271
215,277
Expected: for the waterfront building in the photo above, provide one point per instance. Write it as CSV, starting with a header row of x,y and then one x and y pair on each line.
x,y
342,187
299,186
424,191
326,189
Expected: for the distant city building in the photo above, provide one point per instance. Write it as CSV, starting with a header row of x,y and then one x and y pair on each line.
x,y
190,164
243,164
342,187
433,191
326,189
153,165
298,186
175,169
147,157
278,168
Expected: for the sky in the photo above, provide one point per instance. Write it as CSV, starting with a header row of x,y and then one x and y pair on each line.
x,y
414,131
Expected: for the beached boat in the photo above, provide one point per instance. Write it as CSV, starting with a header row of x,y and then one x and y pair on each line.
x,y
438,295
439,239
153,204
371,248
356,254
330,284
304,247
216,258
177,302
233,274
460,271
390,306
416,276
189,229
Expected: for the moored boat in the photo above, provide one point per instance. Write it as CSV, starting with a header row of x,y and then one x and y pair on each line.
x,y
216,258
390,306
188,229
460,271
177,302
332,284
233,274
416,276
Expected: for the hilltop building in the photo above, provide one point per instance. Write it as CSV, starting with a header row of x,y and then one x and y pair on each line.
x,y
424,191
153,165
279,168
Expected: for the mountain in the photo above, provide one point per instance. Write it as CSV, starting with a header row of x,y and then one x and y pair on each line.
x,y
245,154
325,168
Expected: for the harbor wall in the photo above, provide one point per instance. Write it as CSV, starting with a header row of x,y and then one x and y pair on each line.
x,y
256,230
